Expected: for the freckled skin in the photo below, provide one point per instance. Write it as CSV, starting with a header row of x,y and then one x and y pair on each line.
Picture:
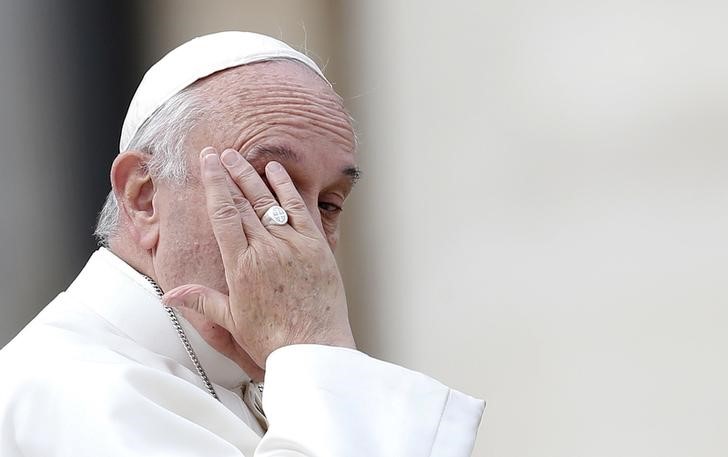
x,y
269,103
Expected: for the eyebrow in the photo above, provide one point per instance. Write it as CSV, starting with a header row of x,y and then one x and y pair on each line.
x,y
279,152
354,174
284,153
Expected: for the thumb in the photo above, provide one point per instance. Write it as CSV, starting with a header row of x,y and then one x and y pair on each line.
x,y
208,302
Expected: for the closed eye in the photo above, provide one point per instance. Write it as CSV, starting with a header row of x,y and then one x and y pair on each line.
x,y
330,208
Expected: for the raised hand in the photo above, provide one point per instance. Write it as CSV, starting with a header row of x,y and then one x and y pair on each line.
x,y
283,281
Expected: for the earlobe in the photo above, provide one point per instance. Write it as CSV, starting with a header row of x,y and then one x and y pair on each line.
x,y
135,193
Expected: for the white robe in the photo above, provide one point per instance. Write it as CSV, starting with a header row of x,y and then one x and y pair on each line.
x,y
101,372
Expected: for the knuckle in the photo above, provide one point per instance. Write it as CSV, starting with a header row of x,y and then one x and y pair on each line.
x,y
263,202
199,304
224,212
242,173
240,201
243,208
296,205
191,289
216,179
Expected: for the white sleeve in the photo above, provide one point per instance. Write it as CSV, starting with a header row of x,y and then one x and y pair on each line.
x,y
323,401
320,402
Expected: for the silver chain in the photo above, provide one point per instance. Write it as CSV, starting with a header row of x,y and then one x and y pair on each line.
x,y
185,341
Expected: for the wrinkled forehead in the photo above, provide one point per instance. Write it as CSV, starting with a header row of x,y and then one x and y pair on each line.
x,y
268,71
270,95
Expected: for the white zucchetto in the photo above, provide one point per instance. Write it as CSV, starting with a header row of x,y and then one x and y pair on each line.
x,y
194,60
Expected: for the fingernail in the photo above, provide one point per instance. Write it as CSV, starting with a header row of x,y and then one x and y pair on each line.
x,y
211,162
274,167
230,157
207,150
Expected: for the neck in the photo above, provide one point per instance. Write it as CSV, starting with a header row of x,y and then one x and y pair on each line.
x,y
136,258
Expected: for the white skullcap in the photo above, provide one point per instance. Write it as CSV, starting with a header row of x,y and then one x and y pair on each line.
x,y
194,60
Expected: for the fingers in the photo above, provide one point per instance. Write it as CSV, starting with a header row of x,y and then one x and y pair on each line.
x,y
208,302
291,201
261,198
248,180
224,216
251,223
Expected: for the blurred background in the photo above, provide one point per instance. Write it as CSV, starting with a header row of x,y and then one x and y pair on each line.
x,y
542,220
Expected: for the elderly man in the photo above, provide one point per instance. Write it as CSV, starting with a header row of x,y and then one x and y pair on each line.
x,y
236,158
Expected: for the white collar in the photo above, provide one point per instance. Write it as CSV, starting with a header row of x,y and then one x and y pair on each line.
x,y
123,297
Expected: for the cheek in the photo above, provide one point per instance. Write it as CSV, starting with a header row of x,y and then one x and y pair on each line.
x,y
312,206
185,223
333,239
329,228
187,248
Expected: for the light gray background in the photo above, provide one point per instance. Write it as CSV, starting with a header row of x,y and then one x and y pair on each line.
x,y
542,221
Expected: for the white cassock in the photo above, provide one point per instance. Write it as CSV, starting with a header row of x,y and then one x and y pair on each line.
x,y
102,372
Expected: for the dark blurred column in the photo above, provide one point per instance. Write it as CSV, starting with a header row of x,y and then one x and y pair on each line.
x,y
102,76
66,75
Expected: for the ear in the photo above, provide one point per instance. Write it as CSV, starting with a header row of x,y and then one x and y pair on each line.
x,y
134,190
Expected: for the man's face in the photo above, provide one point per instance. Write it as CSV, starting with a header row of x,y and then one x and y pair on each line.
x,y
277,111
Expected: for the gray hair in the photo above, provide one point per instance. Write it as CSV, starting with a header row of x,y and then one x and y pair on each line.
x,y
163,136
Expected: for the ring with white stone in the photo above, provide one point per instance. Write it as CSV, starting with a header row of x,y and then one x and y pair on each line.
x,y
274,216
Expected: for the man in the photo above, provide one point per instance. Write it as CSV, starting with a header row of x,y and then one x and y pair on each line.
x,y
236,158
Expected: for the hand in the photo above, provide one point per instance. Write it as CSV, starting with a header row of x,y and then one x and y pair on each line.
x,y
284,285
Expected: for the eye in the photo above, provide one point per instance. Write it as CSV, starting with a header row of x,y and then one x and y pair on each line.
x,y
330,208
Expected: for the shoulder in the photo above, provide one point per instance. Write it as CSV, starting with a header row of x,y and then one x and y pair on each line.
x,y
79,380
69,356
62,336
